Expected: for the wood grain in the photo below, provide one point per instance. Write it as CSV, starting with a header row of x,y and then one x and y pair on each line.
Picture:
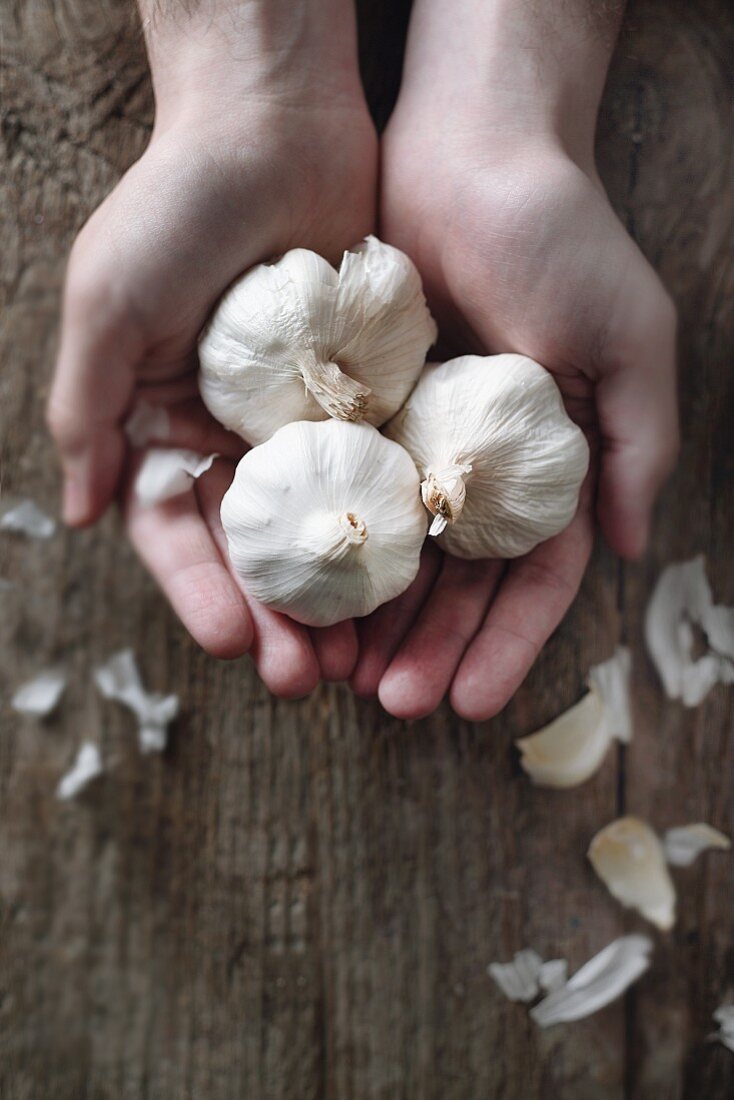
x,y
299,900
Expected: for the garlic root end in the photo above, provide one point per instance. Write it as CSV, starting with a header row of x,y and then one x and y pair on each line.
x,y
337,394
444,494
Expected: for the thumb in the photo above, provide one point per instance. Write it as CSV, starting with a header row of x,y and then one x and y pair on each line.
x,y
91,389
638,421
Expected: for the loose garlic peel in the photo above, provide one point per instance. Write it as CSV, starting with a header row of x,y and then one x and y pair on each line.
x,y
682,598
324,521
569,750
501,463
684,843
629,859
298,340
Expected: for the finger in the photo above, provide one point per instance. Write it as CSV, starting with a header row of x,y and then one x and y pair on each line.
x,y
421,672
175,544
638,420
336,650
183,385
189,424
281,649
533,597
91,389
381,633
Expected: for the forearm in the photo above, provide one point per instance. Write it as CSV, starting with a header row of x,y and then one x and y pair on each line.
x,y
529,66
228,49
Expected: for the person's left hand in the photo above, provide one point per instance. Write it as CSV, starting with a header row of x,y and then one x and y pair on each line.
x,y
520,251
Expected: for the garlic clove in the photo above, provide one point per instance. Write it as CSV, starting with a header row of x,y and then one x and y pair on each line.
x,y
297,340
569,750
599,982
629,859
501,461
324,521
683,844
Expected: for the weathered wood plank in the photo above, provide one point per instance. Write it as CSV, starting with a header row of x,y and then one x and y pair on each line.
x,y
299,900
668,159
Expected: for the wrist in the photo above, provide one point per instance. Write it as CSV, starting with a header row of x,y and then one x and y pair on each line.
x,y
222,54
515,71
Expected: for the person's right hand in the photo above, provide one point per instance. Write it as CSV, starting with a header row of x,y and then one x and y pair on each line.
x,y
241,166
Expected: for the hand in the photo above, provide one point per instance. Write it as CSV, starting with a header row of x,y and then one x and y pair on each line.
x,y
520,251
246,160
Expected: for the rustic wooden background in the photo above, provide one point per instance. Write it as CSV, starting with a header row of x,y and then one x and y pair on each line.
x,y
299,900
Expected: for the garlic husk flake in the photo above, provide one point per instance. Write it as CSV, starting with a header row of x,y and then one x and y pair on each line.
x,y
500,460
570,749
527,974
629,859
599,982
684,843
26,518
724,1017
298,340
119,679
519,980
40,696
167,472
324,521
86,767
682,599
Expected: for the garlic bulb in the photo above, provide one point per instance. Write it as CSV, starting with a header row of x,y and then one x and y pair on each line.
x,y
298,340
324,521
501,462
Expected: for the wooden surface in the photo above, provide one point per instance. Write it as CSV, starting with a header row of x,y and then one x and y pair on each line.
x,y
299,900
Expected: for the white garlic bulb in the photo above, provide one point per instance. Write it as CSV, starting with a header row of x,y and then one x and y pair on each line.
x,y
324,521
501,462
298,340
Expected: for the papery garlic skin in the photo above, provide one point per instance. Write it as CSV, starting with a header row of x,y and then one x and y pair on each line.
x,y
684,843
500,460
299,340
168,472
629,859
40,695
527,974
724,1016
324,521
599,982
682,598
